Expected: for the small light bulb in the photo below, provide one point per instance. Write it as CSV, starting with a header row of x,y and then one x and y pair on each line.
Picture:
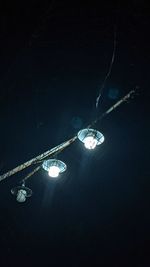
x,y
21,195
90,142
53,171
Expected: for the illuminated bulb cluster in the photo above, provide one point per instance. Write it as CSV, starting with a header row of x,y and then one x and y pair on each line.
x,y
90,137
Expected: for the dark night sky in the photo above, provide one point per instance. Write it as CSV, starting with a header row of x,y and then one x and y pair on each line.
x,y
54,57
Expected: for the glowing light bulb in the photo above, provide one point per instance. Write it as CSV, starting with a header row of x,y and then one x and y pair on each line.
x,y
54,167
90,137
90,142
53,171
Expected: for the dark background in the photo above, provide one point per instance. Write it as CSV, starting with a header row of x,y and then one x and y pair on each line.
x,y
54,57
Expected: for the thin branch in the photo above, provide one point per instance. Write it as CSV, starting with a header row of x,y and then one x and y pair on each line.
x,y
109,70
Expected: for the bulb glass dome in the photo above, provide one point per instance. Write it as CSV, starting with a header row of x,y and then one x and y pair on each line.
x,y
21,195
54,167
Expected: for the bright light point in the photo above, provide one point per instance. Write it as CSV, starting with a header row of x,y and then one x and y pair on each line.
x,y
53,171
54,167
90,142
90,137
